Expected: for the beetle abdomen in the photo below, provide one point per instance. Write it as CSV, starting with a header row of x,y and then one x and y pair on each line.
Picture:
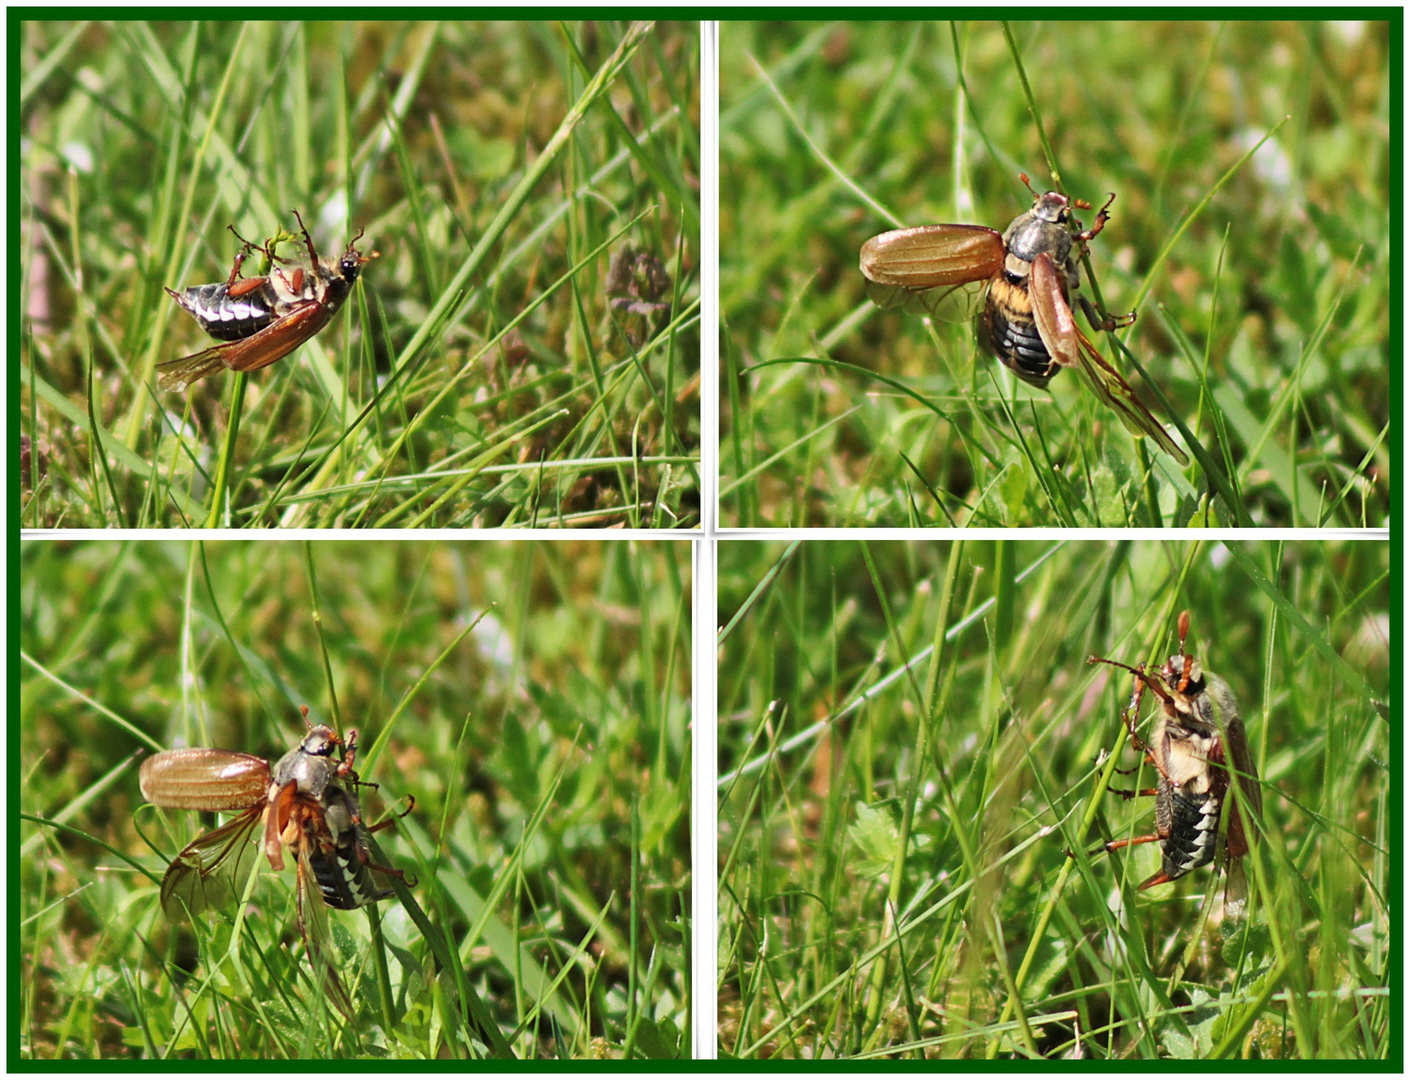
x,y
344,876
227,318
1007,330
344,880
1193,824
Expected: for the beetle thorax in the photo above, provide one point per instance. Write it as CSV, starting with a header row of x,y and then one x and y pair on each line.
x,y
1187,751
1030,235
310,765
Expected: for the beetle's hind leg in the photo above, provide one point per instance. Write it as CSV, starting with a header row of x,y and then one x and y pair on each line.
x,y
240,257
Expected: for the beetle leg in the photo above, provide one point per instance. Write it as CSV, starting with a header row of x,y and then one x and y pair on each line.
x,y
345,767
307,239
1111,322
235,269
279,817
1116,845
410,806
264,249
250,245
1160,877
1102,218
293,281
236,289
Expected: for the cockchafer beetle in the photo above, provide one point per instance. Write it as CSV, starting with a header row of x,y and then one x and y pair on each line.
x,y
1019,286
263,319
1199,739
307,800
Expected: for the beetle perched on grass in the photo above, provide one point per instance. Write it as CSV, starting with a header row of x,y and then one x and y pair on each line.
x,y
263,319
307,800
1199,740
1020,285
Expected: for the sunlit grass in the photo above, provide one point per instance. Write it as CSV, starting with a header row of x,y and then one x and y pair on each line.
x,y
479,376
1262,287
910,737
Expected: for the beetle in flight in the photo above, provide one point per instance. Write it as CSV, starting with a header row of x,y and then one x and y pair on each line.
x,y
262,319
1020,285
307,800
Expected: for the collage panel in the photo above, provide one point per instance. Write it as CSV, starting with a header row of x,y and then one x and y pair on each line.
x,y
496,865
902,202
1029,800
360,274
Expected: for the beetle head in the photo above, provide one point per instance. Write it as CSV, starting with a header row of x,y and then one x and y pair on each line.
x,y
350,265
320,741
1052,207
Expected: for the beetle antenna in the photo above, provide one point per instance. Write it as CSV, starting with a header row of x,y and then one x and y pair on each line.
x,y
1140,672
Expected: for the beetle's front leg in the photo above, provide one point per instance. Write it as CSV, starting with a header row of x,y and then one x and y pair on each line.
x,y
1102,218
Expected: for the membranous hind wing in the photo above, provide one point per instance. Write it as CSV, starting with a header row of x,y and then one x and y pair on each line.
x,y
937,270
313,912
1240,763
211,871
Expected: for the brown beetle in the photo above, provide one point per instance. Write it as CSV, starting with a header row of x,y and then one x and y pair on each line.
x,y
1020,286
1199,740
306,800
262,319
